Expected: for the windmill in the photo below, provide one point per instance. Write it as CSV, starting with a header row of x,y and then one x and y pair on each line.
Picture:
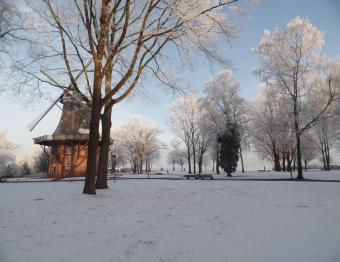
x,y
67,146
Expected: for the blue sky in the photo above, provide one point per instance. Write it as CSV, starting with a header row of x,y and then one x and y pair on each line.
x,y
266,15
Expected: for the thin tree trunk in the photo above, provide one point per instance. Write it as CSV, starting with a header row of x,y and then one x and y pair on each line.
x,y
200,163
276,157
194,157
141,166
328,159
189,158
289,162
134,167
298,150
323,156
217,162
284,161
241,156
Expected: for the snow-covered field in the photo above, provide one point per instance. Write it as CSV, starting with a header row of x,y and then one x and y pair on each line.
x,y
171,220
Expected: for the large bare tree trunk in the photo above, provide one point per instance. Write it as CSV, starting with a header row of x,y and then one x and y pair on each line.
x,y
101,182
91,170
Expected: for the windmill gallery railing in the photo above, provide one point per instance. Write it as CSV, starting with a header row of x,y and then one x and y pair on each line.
x,y
51,139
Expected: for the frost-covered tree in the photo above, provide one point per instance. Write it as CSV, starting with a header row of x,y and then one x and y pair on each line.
x,y
202,141
292,58
179,153
5,144
171,158
40,164
5,159
224,105
309,150
127,40
118,152
12,24
265,123
139,141
176,157
26,169
6,152
326,133
189,124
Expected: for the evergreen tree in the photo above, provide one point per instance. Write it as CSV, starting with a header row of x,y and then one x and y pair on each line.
x,y
41,163
25,169
229,149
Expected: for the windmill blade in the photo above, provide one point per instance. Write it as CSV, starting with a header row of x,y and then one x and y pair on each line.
x,y
51,79
36,121
81,71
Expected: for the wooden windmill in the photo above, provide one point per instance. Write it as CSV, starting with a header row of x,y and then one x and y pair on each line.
x,y
67,147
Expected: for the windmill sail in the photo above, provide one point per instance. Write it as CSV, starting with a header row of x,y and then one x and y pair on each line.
x,y
36,121
82,71
51,79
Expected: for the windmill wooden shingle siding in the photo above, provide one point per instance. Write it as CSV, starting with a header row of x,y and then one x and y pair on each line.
x,y
68,144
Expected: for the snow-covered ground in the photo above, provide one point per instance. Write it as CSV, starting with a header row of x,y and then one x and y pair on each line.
x,y
172,220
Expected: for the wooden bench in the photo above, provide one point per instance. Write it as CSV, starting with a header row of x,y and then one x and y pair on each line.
x,y
199,176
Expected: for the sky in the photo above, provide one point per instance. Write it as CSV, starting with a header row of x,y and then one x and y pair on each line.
x,y
268,14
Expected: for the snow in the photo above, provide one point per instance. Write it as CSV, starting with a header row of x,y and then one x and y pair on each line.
x,y
172,220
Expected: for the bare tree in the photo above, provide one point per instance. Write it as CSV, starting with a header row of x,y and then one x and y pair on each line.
x,y
326,133
308,148
12,24
225,105
265,124
292,58
140,142
7,155
185,123
126,40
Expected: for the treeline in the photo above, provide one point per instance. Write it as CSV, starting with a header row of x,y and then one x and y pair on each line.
x,y
294,118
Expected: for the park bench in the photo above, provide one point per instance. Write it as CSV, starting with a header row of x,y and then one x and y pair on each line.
x,y
199,176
